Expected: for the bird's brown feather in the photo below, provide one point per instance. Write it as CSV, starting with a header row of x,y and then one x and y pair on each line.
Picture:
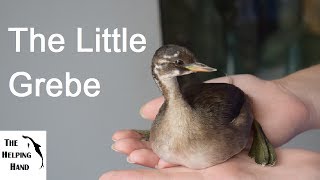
x,y
221,102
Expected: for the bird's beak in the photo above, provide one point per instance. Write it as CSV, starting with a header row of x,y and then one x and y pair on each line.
x,y
199,67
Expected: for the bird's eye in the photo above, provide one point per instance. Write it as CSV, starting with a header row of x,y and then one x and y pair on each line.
x,y
179,62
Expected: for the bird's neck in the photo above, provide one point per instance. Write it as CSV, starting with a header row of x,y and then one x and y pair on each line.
x,y
170,89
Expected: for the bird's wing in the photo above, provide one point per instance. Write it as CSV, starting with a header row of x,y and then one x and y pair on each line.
x,y
220,102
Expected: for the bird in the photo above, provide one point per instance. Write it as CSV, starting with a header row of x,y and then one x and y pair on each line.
x,y
36,148
200,125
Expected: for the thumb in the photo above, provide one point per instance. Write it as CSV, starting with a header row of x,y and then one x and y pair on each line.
x,y
151,108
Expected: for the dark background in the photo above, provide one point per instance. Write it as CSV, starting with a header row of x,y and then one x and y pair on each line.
x,y
246,36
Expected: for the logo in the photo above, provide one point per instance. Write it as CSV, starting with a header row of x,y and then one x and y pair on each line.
x,y
23,155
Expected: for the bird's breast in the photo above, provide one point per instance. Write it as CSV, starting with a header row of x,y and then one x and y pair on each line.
x,y
174,134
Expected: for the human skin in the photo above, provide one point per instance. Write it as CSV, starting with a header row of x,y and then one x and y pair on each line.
x,y
284,108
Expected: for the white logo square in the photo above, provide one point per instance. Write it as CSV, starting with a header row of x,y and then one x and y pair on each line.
x,y
23,155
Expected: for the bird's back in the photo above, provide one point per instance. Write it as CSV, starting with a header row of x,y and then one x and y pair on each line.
x,y
219,102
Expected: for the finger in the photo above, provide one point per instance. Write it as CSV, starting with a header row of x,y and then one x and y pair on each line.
x,y
150,109
164,164
129,145
127,133
144,157
248,83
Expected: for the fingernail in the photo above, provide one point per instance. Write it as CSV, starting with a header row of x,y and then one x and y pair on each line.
x,y
113,139
141,113
129,160
113,148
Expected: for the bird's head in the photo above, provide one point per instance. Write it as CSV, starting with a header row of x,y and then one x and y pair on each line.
x,y
171,60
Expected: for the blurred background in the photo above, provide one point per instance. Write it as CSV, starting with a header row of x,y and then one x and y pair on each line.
x,y
267,38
